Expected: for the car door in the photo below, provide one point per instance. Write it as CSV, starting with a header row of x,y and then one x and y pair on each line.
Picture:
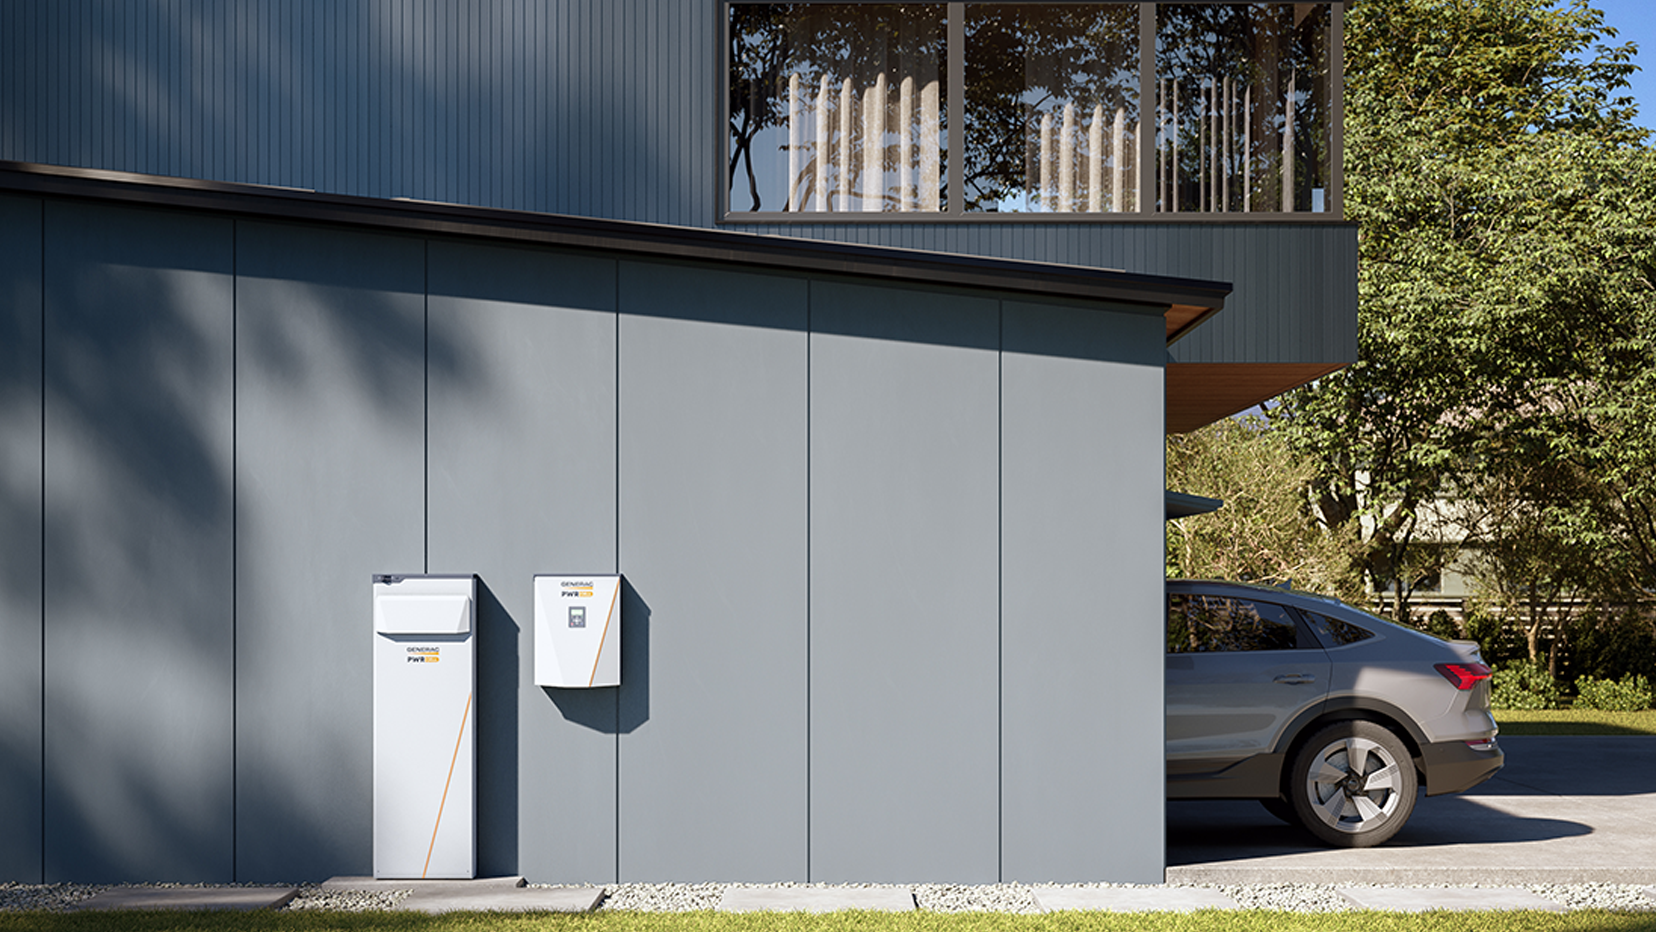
x,y
1239,669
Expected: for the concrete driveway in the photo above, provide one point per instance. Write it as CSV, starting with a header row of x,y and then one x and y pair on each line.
x,y
1563,810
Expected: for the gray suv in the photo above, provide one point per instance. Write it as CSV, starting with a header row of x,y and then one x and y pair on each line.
x,y
1331,717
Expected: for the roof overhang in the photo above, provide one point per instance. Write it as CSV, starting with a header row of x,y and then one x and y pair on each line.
x,y
1184,302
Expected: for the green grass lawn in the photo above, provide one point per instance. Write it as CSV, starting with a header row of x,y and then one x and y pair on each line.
x,y
1252,920
1576,722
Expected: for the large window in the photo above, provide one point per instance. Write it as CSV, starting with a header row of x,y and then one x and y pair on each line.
x,y
1242,107
1051,107
837,107
848,108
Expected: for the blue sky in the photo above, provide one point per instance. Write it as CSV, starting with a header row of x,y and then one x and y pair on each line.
x,y
1635,20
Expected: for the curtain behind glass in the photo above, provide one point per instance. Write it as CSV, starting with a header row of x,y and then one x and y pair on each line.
x,y
1052,117
837,107
1242,109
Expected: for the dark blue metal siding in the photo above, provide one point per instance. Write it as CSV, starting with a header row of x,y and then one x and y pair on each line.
x,y
1295,298
603,109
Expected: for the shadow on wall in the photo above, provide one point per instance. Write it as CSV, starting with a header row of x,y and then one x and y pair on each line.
x,y
499,670
508,104
161,638
621,709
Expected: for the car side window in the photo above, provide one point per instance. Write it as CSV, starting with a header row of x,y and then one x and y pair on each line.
x,y
1203,623
1335,632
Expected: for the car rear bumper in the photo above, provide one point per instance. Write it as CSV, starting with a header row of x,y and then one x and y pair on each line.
x,y
1455,766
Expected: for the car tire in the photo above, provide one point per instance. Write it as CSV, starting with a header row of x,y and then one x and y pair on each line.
x,y
1353,784
1281,808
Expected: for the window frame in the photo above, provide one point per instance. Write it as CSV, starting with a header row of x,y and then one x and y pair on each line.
x,y
954,211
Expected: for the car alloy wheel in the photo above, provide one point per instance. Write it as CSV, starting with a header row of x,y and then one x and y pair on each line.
x,y
1353,784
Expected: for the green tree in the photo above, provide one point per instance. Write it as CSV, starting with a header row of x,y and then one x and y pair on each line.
x,y
1265,532
1488,152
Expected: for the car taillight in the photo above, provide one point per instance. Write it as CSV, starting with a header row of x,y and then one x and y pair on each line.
x,y
1463,675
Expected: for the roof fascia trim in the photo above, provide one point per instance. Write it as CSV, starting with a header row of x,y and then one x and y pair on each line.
x,y
632,237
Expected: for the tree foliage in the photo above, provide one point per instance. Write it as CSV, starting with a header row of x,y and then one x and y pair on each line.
x,y
1506,206
1265,532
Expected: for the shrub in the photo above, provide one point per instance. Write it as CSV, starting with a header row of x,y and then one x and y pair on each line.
x,y
1498,641
1614,643
1631,693
1439,624
1524,684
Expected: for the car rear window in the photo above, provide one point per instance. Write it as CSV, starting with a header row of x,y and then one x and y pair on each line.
x,y
1335,632
1201,623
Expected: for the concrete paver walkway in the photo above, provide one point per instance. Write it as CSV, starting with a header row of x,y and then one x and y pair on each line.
x,y
235,898
506,894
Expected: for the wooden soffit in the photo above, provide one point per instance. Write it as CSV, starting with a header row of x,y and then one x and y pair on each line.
x,y
1199,393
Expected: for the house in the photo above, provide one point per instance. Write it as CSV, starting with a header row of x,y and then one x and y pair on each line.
x,y
746,303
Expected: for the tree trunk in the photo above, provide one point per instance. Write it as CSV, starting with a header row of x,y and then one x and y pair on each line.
x,y
1532,633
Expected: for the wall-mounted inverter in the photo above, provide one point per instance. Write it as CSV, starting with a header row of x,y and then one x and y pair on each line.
x,y
425,668
578,631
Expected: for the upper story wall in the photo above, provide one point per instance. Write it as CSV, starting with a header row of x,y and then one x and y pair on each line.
x,y
605,109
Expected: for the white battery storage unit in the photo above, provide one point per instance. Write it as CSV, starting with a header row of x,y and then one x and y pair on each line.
x,y
577,631
425,671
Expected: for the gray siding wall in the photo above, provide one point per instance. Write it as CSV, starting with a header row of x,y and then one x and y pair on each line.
x,y
904,547
330,489
892,590
1079,709
139,640
522,481
22,554
604,109
713,540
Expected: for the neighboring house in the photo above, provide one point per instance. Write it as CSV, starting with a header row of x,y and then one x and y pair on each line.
x,y
797,316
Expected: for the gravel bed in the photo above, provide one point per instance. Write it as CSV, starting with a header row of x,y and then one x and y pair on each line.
x,y
663,897
984,898
1623,897
935,897
311,896
54,897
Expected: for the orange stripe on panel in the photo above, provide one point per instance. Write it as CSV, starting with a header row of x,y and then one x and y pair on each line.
x,y
444,802
611,614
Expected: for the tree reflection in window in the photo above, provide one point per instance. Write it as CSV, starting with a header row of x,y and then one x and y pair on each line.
x,y
1242,107
1335,631
1052,117
844,108
837,107
1204,623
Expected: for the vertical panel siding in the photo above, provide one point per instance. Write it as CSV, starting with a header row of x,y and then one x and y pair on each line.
x,y
22,553
905,550
139,629
522,480
714,482
342,467
1080,756
601,109
1295,297
331,358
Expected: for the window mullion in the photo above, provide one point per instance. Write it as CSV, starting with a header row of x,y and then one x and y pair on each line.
x,y
1147,106
957,109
